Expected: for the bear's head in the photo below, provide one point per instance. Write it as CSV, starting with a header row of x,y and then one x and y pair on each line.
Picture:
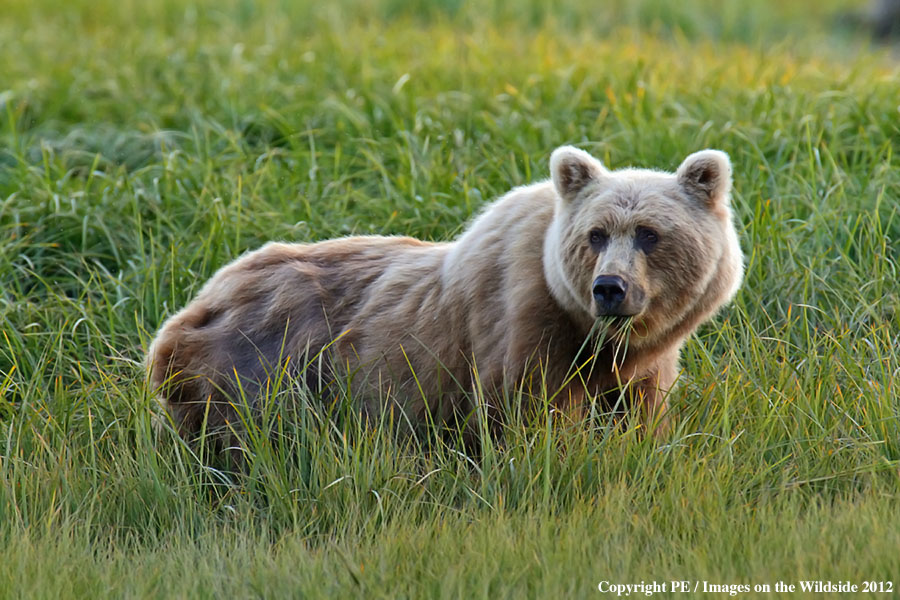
x,y
657,247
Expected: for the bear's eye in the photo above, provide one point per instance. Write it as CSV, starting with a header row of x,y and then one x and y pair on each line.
x,y
646,239
598,239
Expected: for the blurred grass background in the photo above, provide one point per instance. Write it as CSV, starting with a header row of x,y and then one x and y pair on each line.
x,y
145,144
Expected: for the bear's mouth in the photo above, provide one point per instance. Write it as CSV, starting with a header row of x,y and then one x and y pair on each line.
x,y
615,317
613,323
619,326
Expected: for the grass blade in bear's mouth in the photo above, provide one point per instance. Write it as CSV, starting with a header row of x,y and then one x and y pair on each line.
x,y
615,320
618,326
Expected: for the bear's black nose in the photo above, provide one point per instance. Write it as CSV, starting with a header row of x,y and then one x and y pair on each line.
x,y
609,292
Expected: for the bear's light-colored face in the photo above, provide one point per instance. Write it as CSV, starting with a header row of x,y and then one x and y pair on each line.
x,y
644,244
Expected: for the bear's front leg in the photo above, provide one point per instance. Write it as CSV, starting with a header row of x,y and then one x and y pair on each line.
x,y
652,397
652,393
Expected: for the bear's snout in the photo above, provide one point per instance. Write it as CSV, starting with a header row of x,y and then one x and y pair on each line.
x,y
609,294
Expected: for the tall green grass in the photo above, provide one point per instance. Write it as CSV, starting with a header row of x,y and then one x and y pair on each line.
x,y
143,145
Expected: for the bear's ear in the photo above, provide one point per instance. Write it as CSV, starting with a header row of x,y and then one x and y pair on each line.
x,y
572,169
706,175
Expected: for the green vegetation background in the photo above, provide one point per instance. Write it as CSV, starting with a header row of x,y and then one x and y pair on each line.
x,y
145,144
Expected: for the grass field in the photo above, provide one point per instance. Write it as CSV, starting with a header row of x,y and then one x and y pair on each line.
x,y
145,144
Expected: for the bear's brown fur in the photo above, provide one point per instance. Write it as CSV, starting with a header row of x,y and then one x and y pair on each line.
x,y
509,305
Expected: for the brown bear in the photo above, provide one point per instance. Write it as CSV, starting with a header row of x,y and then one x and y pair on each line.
x,y
577,289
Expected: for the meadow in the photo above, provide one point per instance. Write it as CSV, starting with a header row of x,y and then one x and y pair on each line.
x,y
145,144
